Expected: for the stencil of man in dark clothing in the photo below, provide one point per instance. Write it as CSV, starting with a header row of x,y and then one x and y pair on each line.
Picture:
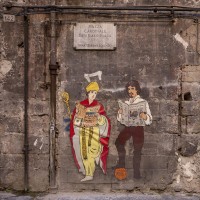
x,y
136,132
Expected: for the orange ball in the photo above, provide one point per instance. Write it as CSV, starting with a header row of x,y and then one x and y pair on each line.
x,y
120,173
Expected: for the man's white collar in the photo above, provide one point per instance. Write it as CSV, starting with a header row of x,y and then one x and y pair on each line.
x,y
133,99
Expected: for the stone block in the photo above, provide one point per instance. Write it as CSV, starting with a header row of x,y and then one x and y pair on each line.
x,y
189,145
12,178
73,176
193,125
192,58
154,162
39,180
12,82
75,95
123,185
36,47
38,107
112,108
12,171
191,68
102,187
35,161
39,126
14,108
66,162
192,88
166,124
15,40
167,144
65,148
12,144
38,172
9,161
172,164
101,178
190,108
152,138
158,179
39,144
154,107
12,124
150,149
129,184
76,187
169,108
172,92
191,76
169,92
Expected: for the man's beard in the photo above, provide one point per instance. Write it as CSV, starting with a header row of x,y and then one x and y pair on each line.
x,y
131,94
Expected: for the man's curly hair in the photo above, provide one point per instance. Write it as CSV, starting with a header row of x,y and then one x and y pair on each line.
x,y
134,83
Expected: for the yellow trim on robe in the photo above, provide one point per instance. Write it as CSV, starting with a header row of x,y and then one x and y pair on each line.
x,y
93,151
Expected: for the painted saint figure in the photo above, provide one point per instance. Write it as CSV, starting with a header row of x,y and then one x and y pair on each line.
x,y
134,114
89,134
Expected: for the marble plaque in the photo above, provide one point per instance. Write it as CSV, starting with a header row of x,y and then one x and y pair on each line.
x,y
96,36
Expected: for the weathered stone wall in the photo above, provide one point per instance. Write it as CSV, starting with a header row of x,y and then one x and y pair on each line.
x,y
143,52
162,56
11,105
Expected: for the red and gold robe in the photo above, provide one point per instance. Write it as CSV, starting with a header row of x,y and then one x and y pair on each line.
x,y
90,143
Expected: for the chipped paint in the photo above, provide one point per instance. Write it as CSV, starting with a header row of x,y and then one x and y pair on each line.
x,y
181,40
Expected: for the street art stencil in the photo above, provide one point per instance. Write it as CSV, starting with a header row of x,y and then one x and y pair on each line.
x,y
89,133
134,114
65,97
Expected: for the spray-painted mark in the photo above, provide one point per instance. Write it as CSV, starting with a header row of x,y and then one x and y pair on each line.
x,y
41,146
42,143
35,143
88,76
181,40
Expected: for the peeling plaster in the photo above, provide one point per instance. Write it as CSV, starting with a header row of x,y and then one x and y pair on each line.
x,y
181,40
5,67
188,170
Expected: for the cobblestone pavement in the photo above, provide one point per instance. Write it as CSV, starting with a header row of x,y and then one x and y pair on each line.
x,y
96,196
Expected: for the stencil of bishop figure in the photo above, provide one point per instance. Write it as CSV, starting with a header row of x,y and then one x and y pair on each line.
x,y
89,134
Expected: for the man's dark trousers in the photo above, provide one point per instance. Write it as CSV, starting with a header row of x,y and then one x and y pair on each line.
x,y
137,134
